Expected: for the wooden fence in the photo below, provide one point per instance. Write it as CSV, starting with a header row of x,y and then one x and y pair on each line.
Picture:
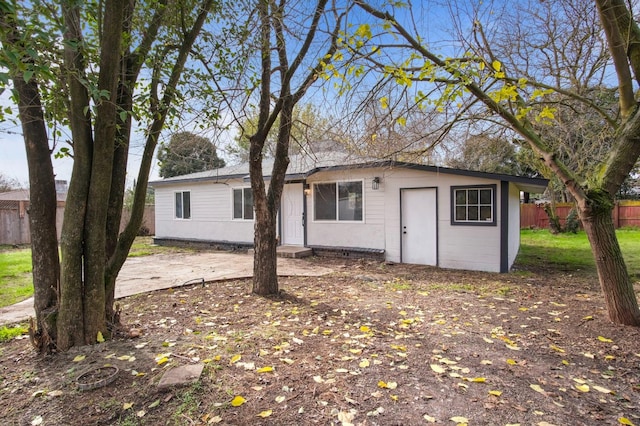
x,y
14,221
625,213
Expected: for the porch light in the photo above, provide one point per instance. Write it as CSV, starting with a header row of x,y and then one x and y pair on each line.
x,y
307,189
375,183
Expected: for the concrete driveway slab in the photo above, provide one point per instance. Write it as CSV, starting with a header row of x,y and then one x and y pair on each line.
x,y
162,271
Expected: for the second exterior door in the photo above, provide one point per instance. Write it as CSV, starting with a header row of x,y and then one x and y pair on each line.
x,y
418,227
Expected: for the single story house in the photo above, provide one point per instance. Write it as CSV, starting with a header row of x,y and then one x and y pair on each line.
x,y
399,211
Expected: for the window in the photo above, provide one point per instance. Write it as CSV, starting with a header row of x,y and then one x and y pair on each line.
x,y
183,205
243,203
473,205
340,201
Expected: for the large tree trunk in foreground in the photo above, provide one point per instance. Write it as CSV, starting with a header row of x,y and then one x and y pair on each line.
x,y
265,276
615,282
42,215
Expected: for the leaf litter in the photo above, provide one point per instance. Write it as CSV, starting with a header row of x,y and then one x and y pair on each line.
x,y
409,345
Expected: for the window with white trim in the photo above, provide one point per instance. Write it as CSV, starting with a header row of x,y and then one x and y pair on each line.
x,y
183,205
473,205
338,201
243,203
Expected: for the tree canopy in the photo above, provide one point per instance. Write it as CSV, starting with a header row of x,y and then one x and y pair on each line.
x,y
187,153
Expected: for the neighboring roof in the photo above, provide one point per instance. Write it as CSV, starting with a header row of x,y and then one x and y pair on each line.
x,y
23,195
303,166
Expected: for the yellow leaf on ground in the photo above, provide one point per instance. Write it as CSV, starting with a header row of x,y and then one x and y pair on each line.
x,y
437,368
238,401
429,419
486,339
265,413
264,369
538,389
364,363
477,380
235,359
557,349
127,405
625,421
604,339
100,337
79,358
495,392
364,329
459,419
511,361
603,390
582,388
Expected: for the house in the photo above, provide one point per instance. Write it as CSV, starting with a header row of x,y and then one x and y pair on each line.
x,y
397,211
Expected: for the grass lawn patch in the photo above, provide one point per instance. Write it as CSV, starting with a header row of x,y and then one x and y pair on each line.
x,y
572,252
15,276
16,281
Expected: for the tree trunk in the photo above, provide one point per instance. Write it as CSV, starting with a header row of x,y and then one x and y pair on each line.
x,y
615,283
265,275
42,215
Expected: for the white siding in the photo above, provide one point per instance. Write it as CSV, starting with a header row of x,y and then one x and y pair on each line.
x,y
459,247
366,234
211,213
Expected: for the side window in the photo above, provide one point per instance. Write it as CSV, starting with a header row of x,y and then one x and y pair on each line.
x,y
183,205
473,205
243,203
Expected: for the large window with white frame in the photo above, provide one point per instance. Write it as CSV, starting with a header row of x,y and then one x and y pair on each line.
x,y
183,205
338,201
243,203
473,205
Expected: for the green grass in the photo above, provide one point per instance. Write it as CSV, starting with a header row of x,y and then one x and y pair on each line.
x,y
15,276
7,333
571,252
16,282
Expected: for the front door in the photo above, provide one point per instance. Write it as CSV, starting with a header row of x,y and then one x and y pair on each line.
x,y
418,225
292,210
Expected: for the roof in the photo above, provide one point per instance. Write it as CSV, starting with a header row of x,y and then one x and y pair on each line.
x,y
303,166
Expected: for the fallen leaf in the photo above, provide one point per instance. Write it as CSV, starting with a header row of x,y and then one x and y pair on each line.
x,y
280,399
37,420
154,404
538,389
477,379
582,388
622,420
364,363
238,401
79,358
429,419
511,361
603,390
235,359
495,392
604,339
127,405
100,337
265,369
141,413
265,413
459,419
437,368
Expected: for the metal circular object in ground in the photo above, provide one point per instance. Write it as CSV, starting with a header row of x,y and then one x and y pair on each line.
x,y
97,378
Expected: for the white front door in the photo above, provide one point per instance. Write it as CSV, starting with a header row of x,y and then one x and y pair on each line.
x,y
292,208
419,226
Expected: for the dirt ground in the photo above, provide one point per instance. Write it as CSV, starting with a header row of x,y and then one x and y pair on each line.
x,y
371,344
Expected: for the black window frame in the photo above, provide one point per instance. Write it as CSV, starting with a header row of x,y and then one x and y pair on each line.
x,y
245,204
337,215
182,205
477,203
